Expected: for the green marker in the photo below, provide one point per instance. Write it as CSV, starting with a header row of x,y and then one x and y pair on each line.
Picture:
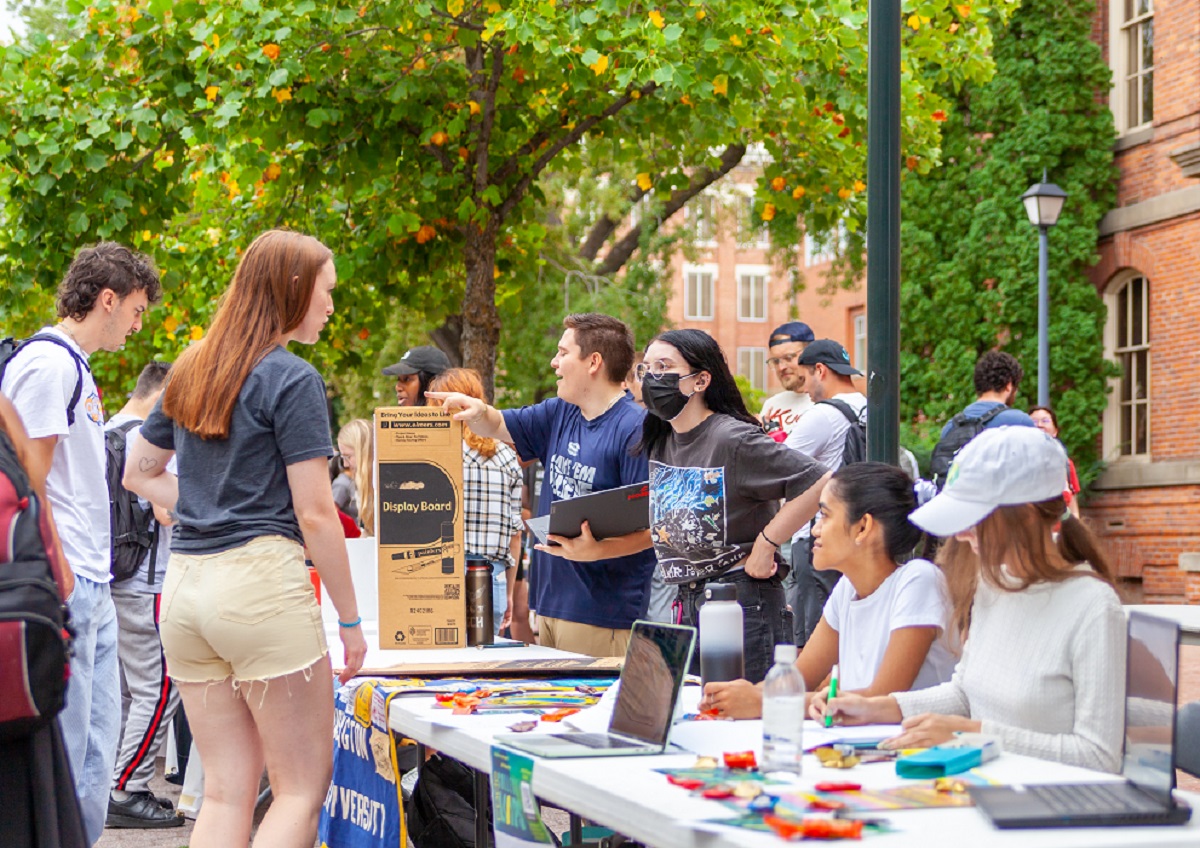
x,y
832,694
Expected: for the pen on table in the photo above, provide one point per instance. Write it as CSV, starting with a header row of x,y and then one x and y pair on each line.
x,y
502,645
833,677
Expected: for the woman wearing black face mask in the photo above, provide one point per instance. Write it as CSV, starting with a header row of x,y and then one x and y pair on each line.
x,y
716,482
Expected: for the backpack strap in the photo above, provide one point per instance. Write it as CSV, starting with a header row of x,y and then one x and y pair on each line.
x,y
844,408
987,417
153,552
80,365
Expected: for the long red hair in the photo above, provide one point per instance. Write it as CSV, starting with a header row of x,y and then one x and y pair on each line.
x,y
465,381
268,297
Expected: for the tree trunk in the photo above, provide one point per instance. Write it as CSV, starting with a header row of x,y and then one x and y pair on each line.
x,y
480,319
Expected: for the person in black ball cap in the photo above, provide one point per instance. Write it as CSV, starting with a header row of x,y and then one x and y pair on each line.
x,y
413,373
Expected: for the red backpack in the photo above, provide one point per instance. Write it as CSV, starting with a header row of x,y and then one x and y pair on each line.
x,y
35,633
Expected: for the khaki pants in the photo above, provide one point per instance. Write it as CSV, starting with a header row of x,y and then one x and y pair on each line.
x,y
582,638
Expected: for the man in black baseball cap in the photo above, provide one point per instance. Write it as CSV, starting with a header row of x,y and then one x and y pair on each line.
x,y
413,373
832,355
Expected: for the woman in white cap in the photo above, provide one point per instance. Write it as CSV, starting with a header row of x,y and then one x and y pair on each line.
x,y
1044,664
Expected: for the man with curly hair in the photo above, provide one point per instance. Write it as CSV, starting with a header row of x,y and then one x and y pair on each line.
x,y
997,378
100,304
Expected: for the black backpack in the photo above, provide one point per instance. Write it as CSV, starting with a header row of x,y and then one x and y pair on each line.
x,y
854,449
441,812
134,530
35,633
10,348
962,430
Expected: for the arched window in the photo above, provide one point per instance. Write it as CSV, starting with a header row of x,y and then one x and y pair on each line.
x,y
1127,425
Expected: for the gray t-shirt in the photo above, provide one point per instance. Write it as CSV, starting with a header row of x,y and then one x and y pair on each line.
x,y
713,489
235,489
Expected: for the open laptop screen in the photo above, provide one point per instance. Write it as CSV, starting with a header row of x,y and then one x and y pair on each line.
x,y
1151,689
655,664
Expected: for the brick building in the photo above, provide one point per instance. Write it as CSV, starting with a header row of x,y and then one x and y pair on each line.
x,y
729,287
1147,503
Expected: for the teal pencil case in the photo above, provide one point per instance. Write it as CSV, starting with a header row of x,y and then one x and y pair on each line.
x,y
939,762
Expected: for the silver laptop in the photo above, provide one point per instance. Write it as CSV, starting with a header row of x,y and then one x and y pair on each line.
x,y
655,665
1146,795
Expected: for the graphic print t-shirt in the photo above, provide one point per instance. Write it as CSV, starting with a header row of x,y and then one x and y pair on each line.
x,y
712,491
581,457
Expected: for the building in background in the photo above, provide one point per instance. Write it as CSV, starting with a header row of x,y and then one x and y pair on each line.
x,y
1147,502
729,287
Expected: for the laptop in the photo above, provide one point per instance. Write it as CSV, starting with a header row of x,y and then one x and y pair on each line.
x,y
655,664
1145,797
612,512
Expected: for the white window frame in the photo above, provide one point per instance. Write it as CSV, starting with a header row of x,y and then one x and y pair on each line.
x,y
743,273
752,364
759,238
690,310
705,214
1116,447
835,247
1126,67
858,331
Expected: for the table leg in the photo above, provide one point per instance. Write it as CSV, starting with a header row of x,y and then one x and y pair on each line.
x,y
482,825
576,831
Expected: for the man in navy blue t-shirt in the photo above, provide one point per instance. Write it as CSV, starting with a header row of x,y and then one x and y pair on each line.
x,y
587,592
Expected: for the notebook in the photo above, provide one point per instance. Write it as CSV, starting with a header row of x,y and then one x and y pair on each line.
x,y
612,512
1145,797
655,664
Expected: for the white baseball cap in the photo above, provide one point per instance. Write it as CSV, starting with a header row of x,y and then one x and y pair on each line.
x,y
1001,466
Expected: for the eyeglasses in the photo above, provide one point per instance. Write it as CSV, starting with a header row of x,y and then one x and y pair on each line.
x,y
657,370
789,358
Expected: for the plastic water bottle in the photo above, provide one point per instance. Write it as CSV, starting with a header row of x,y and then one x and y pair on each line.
x,y
783,713
720,622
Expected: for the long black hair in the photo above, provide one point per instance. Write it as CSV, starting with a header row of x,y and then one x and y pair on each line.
x,y
884,492
702,353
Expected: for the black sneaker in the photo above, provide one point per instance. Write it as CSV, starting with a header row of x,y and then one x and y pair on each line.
x,y
142,810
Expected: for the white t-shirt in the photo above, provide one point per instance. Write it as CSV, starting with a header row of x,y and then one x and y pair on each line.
x,y
140,581
821,432
912,596
40,381
786,409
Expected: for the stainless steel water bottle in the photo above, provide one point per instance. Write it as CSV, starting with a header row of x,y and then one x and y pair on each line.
x,y
479,603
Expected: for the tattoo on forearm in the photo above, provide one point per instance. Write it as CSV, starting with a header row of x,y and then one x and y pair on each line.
x,y
173,515
146,463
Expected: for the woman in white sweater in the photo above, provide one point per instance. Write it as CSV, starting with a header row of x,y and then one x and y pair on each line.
x,y
1044,664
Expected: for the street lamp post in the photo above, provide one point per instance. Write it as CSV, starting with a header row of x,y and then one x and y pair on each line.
x,y
1043,203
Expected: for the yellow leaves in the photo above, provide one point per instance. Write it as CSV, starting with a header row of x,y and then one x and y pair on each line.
x,y
210,93
915,21
768,212
859,185
735,41
419,65
216,42
844,193
778,184
963,9
644,182
685,100
427,37
282,95
426,233
656,18
455,7
701,14
147,235
271,51
170,323
197,333
474,107
495,272
798,192
272,172
600,65
720,84
439,138
492,8
635,95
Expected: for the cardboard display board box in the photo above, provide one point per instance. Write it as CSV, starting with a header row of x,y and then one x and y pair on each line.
x,y
419,526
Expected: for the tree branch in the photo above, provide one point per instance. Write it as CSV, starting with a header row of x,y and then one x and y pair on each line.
x,y
581,129
604,228
616,258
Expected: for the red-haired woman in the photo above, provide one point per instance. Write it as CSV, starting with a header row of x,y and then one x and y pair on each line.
x,y
240,625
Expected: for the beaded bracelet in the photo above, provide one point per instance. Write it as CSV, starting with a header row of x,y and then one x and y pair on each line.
x,y
354,623
763,533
